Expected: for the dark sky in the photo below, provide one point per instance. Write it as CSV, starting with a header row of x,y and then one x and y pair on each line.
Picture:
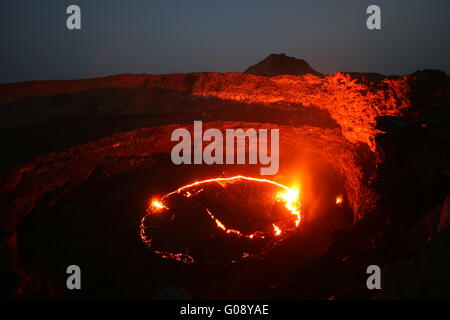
x,y
169,36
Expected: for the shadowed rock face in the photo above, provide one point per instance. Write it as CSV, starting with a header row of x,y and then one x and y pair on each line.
x,y
352,103
281,64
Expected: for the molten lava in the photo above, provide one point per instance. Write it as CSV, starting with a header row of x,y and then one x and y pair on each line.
x,y
273,210
157,205
277,230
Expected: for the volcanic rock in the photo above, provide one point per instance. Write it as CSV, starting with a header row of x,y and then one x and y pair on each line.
x,y
281,64
335,119
350,103
35,189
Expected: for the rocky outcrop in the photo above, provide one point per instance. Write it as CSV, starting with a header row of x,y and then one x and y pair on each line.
x,y
281,64
408,233
352,103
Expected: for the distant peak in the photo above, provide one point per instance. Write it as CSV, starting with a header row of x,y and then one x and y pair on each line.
x,y
278,55
280,64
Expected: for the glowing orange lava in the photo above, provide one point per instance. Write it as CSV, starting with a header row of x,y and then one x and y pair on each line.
x,y
157,205
292,201
277,230
290,197
339,199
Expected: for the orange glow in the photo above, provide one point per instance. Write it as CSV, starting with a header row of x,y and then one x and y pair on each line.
x,y
157,205
290,197
223,181
277,230
220,225
339,199
292,202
